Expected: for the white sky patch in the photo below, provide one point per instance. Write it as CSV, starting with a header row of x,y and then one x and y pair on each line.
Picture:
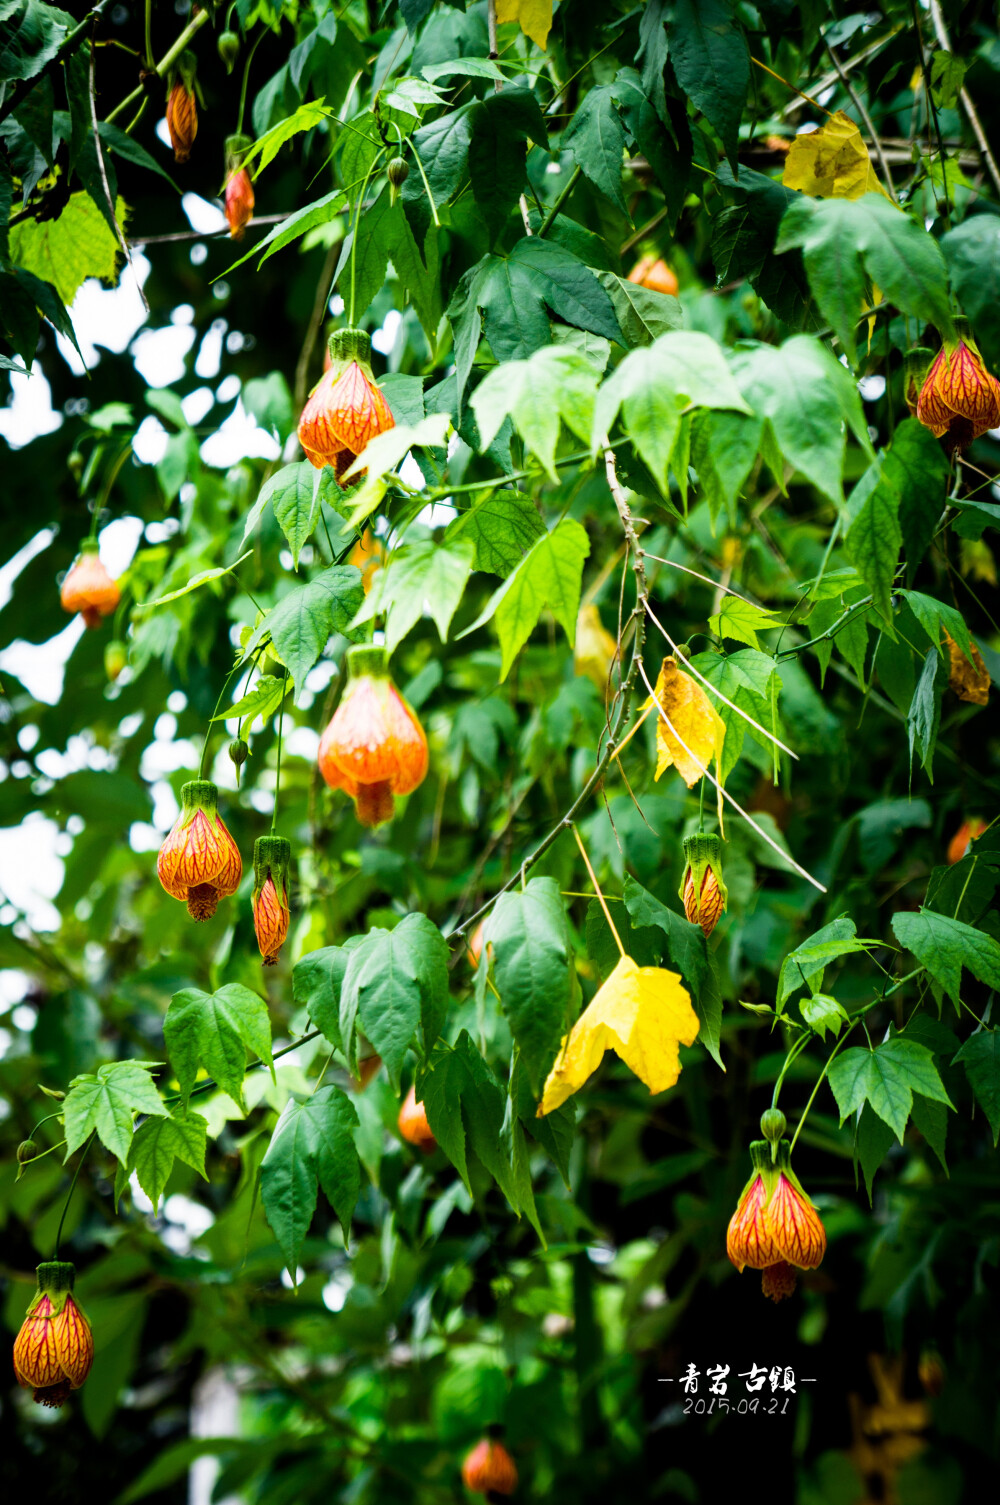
x,y
205,217
159,354
197,404
228,388
384,339
41,667
30,413
32,870
210,354
105,317
238,438
119,541
303,742
17,562
149,443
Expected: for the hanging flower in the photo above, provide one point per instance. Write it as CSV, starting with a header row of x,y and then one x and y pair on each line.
x,y
959,399
271,856
653,272
413,1123
239,197
199,861
968,832
702,889
489,1469
55,1348
775,1226
182,110
595,650
346,409
88,588
374,748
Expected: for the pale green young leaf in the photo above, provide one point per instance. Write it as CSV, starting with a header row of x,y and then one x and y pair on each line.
x,y
106,1102
742,621
423,577
555,383
886,1077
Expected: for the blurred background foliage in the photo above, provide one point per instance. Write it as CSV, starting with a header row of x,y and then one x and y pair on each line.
x,y
447,1313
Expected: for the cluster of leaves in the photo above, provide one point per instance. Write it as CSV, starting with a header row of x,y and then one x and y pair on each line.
x,y
728,477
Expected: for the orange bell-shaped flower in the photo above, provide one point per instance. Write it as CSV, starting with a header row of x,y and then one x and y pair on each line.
x,y
346,409
374,747
653,272
959,399
199,861
413,1123
968,832
704,894
55,1348
271,856
182,118
88,588
489,1469
775,1223
238,195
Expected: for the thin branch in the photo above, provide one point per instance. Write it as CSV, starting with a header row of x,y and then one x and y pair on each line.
x,y
169,57
859,105
941,32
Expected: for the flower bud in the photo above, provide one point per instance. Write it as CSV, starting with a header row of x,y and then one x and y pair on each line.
x,y
346,409
54,1349
26,1150
398,171
489,1469
772,1124
115,658
229,49
238,751
653,272
182,109
374,747
199,862
702,889
271,856
931,1371
968,832
413,1123
88,588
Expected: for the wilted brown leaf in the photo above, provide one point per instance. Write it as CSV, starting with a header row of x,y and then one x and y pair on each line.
x,y
970,679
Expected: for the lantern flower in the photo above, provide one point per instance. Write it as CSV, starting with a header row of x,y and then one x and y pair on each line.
x,y
271,856
182,110
968,832
653,272
474,946
595,650
413,1125
489,1469
88,588
346,409
239,197
775,1227
199,861
374,748
702,889
54,1349
959,399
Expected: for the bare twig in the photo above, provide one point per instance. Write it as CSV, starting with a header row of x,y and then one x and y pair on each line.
x,y
941,32
859,105
104,182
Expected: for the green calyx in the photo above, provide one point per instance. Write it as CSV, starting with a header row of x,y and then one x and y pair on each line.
x,y
772,1159
199,794
367,660
346,345
55,1280
89,546
702,854
236,149
271,856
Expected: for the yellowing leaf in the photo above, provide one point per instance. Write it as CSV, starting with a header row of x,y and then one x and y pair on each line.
x,y
68,250
535,17
642,1014
595,649
832,163
696,731
968,677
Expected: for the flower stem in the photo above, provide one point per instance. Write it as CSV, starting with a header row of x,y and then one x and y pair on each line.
x,y
69,1195
277,771
246,75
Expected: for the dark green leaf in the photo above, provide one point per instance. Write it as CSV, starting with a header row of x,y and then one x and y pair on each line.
x,y
529,943
214,1031
395,988
712,64
945,946
312,1146
886,1077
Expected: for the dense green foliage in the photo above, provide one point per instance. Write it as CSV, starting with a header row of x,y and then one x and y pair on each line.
x,y
729,475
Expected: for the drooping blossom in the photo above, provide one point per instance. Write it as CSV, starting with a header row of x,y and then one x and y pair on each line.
x,y
374,747
199,862
54,1350
88,588
271,856
346,408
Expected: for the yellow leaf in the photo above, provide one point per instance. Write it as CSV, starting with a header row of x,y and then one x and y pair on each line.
x,y
535,17
696,732
68,250
595,650
642,1014
969,678
832,163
